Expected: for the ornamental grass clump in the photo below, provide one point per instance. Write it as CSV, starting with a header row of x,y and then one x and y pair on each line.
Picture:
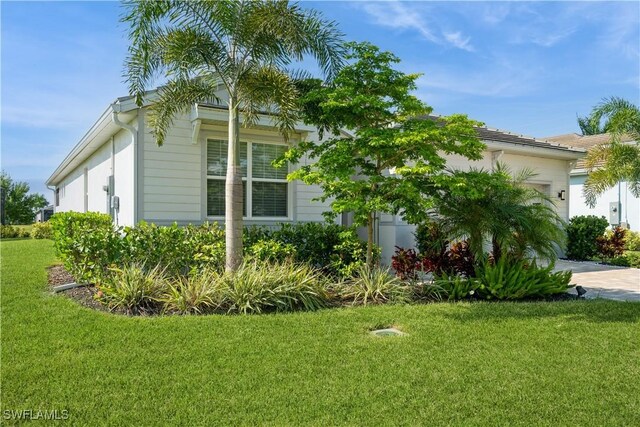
x,y
203,291
133,289
258,286
374,286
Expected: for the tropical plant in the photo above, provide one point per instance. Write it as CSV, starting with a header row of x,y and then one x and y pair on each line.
x,y
132,288
200,292
241,46
499,208
406,263
456,287
508,279
582,233
258,286
374,285
617,160
19,206
390,131
611,244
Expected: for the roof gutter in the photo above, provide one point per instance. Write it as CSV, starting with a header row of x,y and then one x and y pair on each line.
x,y
116,108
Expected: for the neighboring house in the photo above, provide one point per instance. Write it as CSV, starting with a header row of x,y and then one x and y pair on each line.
x,y
44,214
118,169
617,204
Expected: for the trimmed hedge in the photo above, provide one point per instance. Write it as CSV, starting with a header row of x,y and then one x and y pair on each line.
x,y
89,244
582,233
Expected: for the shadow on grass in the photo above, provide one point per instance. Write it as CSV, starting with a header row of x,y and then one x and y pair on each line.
x,y
596,311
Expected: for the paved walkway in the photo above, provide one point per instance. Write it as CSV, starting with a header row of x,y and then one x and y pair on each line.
x,y
604,281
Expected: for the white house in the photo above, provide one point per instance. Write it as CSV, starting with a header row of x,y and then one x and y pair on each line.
x,y
118,169
617,204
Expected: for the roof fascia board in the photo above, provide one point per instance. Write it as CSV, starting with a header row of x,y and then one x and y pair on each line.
x,y
515,148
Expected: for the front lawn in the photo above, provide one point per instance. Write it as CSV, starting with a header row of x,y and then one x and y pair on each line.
x,y
562,363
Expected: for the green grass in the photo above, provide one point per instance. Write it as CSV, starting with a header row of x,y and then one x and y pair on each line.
x,y
569,363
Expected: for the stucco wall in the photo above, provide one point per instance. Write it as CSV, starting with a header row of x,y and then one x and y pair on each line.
x,y
630,211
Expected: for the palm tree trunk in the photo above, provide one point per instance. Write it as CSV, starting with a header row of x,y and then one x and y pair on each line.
x,y
233,191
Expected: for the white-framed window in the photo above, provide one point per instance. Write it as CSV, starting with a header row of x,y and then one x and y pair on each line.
x,y
265,188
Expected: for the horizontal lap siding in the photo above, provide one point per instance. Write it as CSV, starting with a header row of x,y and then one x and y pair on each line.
x,y
307,209
172,175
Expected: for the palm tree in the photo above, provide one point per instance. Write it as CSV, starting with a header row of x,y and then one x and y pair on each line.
x,y
242,46
615,161
499,208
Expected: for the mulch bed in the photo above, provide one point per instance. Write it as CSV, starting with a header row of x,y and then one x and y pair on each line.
x,y
83,294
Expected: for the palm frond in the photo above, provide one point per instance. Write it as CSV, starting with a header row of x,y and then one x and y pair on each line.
x,y
175,97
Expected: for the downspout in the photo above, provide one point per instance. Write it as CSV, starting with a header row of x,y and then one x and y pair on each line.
x,y
116,109
53,189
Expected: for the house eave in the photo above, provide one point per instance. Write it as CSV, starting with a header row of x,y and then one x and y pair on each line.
x,y
95,137
560,153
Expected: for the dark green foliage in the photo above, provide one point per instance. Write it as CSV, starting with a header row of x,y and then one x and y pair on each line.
x,y
611,244
89,243
86,243
335,249
20,207
582,232
506,279
176,249
499,208
511,280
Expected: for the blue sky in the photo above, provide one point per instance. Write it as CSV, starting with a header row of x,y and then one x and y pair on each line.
x,y
525,67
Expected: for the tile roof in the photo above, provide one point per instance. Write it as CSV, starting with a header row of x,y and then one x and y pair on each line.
x,y
499,135
585,141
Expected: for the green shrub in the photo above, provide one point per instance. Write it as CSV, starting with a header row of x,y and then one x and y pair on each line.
x,y
87,243
334,249
200,292
582,232
511,280
632,241
24,233
133,288
259,286
628,259
9,232
374,286
41,230
270,250
457,287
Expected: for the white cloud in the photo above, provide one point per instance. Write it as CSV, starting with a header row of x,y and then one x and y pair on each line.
x,y
459,41
399,16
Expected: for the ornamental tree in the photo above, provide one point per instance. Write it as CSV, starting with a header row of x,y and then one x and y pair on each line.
x,y
390,158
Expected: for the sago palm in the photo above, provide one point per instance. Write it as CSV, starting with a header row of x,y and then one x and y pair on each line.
x,y
498,208
615,161
242,46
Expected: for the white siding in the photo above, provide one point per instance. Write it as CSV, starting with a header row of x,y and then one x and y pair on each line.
x,y
630,204
99,166
123,176
172,175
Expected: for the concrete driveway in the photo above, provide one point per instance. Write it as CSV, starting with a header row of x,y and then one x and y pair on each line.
x,y
604,281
